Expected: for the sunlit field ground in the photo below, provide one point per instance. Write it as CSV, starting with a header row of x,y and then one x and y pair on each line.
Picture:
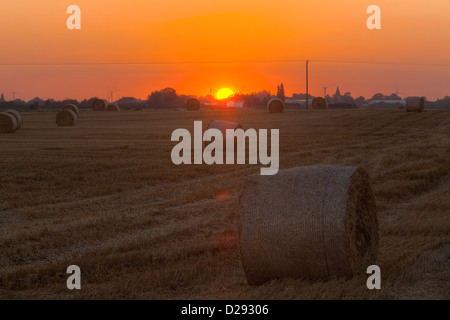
x,y
105,195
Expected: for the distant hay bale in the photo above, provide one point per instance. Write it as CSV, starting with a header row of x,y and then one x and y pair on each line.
x,y
99,105
275,105
311,222
66,118
72,107
192,104
18,117
319,103
113,107
139,109
8,123
223,126
415,104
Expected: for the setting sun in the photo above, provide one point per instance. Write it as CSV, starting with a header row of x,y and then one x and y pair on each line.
x,y
224,93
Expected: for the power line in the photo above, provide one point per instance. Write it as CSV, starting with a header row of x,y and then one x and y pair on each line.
x,y
228,62
386,63
149,63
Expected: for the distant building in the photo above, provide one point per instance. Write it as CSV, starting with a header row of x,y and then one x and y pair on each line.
x,y
380,100
402,102
341,101
337,98
298,103
235,104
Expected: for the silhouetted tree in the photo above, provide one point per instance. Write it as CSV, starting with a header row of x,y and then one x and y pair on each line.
x,y
301,96
347,98
50,103
377,96
394,96
69,101
360,100
208,98
87,104
165,98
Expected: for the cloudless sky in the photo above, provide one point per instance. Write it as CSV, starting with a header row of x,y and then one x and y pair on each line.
x,y
138,31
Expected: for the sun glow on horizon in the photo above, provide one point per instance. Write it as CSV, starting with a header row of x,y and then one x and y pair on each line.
x,y
224,93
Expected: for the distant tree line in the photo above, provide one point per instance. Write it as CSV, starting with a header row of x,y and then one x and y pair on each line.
x,y
169,99
443,103
37,104
166,98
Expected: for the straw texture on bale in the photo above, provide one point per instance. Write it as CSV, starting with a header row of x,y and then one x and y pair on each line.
x,y
99,105
192,104
8,123
18,117
72,107
319,103
223,126
415,104
113,107
310,222
275,105
66,118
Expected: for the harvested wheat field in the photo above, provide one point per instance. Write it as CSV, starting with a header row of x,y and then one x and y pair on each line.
x,y
105,196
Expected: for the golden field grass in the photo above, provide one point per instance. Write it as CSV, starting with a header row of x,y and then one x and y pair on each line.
x,y
105,195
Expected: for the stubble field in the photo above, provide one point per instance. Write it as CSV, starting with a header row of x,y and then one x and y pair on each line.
x,y
105,195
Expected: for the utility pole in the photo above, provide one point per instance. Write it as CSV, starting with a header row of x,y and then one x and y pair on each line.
x,y
111,96
307,79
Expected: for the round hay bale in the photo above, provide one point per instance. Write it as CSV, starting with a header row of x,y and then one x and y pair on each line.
x,y
8,123
223,126
18,117
139,109
113,107
275,105
66,118
310,222
72,107
192,104
319,103
99,105
415,104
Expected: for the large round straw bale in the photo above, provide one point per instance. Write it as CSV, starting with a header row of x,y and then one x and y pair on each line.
x,y
192,104
8,123
223,126
415,104
113,107
319,103
99,105
66,118
309,222
72,107
275,105
18,117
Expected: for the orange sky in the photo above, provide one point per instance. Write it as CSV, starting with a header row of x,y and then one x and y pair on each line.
x,y
135,31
